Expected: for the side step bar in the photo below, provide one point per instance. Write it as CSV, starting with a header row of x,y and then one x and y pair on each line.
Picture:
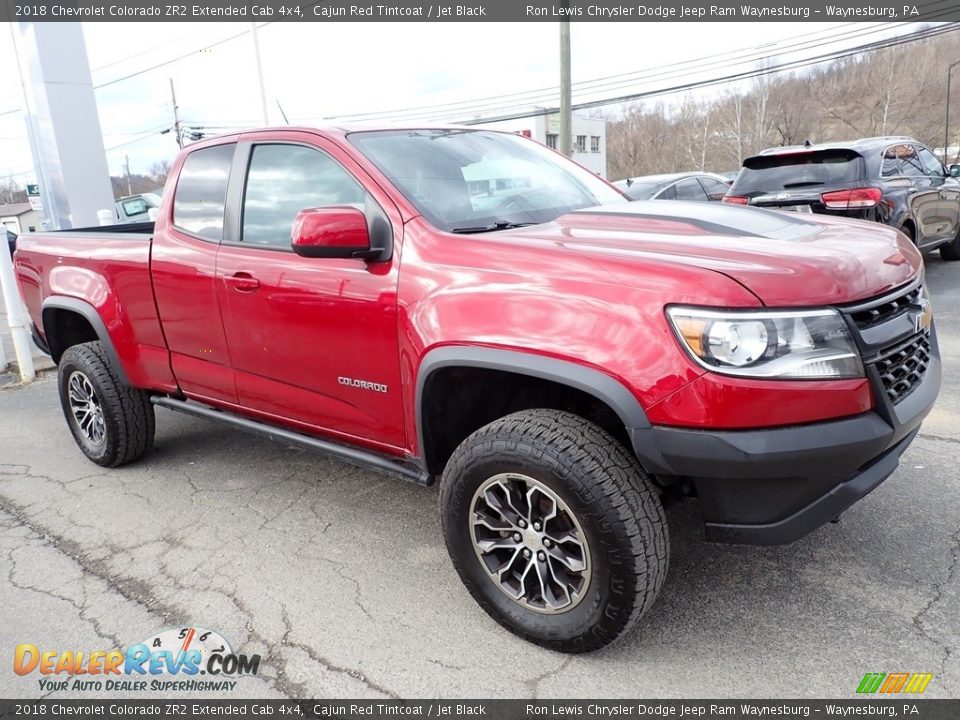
x,y
352,455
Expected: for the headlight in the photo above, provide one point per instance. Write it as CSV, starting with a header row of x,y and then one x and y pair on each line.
x,y
807,344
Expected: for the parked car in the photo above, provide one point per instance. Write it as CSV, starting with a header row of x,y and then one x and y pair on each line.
x,y
11,241
696,186
894,180
559,362
136,208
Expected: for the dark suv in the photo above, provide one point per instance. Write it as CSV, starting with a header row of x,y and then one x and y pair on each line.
x,y
893,180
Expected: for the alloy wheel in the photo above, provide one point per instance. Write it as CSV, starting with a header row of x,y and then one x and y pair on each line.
x,y
530,543
86,408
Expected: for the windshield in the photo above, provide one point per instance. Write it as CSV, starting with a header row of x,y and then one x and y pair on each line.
x,y
769,173
477,180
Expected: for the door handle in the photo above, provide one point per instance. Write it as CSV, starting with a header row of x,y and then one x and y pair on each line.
x,y
242,282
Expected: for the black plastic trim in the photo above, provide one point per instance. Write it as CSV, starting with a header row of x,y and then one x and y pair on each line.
x,y
346,453
772,486
591,381
820,511
38,339
90,314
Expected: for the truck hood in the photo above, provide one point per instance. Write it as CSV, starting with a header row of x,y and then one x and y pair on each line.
x,y
785,259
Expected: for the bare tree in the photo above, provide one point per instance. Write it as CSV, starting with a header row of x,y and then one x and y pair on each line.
x,y
11,192
159,171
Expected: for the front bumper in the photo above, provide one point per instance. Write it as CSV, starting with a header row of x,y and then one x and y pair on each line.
x,y
773,486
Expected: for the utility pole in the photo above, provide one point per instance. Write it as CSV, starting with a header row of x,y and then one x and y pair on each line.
x,y
178,133
126,162
566,124
946,122
16,318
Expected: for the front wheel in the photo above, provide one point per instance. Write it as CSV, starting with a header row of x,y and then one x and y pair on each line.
x,y
951,251
555,529
112,423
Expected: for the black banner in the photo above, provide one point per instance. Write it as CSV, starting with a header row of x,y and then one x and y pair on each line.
x,y
904,707
479,10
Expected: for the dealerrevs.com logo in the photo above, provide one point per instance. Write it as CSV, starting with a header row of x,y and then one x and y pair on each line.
x,y
183,659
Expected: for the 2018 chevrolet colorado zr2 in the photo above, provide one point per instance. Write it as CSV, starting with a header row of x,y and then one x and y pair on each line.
x,y
471,306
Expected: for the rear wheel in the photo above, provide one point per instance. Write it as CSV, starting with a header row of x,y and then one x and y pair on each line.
x,y
908,230
112,423
555,529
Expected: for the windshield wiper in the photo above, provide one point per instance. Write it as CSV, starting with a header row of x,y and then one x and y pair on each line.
x,y
498,225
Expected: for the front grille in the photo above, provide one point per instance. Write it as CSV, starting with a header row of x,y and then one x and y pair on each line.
x,y
868,317
903,366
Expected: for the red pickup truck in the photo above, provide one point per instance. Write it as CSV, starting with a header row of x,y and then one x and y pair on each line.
x,y
470,306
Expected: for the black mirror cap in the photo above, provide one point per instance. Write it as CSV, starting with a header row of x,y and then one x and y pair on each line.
x,y
363,253
954,171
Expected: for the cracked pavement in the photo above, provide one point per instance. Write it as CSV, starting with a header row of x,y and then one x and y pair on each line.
x,y
339,579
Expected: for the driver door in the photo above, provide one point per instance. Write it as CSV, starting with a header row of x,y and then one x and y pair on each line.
x,y
300,329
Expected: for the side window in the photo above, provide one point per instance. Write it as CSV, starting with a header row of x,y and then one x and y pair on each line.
x,y
668,193
134,207
285,179
202,191
901,160
931,165
690,189
714,188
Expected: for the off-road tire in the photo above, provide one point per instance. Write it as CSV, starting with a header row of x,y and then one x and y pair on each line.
x,y
617,506
128,418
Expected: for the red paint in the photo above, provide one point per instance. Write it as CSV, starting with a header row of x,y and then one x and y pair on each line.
x,y
731,403
274,335
329,227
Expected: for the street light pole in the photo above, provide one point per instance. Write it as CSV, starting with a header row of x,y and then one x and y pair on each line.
x,y
946,122
566,129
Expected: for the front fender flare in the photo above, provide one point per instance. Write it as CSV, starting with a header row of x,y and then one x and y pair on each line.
x,y
565,372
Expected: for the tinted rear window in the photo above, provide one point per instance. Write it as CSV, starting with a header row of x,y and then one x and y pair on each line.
x,y
770,173
202,191
641,191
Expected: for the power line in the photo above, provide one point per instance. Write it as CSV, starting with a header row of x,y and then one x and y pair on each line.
x,y
177,58
153,48
757,72
534,97
794,64
552,89
551,99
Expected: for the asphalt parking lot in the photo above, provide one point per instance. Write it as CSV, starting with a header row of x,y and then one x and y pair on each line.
x,y
339,578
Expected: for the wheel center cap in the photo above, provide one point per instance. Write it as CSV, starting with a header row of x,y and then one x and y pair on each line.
x,y
532,539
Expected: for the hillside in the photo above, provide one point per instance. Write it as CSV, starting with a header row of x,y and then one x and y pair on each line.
x,y
896,91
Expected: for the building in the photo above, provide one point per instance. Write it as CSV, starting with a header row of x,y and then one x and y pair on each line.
x,y
589,142
20,218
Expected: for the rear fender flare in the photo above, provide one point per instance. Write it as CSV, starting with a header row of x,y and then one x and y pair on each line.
x,y
90,314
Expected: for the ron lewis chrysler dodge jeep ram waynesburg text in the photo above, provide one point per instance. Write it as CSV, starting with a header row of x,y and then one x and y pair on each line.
x,y
472,307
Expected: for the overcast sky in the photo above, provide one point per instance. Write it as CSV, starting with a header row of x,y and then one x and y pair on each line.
x,y
317,70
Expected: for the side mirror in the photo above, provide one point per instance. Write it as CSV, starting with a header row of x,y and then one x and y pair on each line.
x,y
954,171
332,232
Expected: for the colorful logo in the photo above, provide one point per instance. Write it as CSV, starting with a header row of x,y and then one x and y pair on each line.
x,y
186,652
893,683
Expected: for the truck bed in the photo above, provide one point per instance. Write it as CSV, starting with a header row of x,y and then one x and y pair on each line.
x,y
102,273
